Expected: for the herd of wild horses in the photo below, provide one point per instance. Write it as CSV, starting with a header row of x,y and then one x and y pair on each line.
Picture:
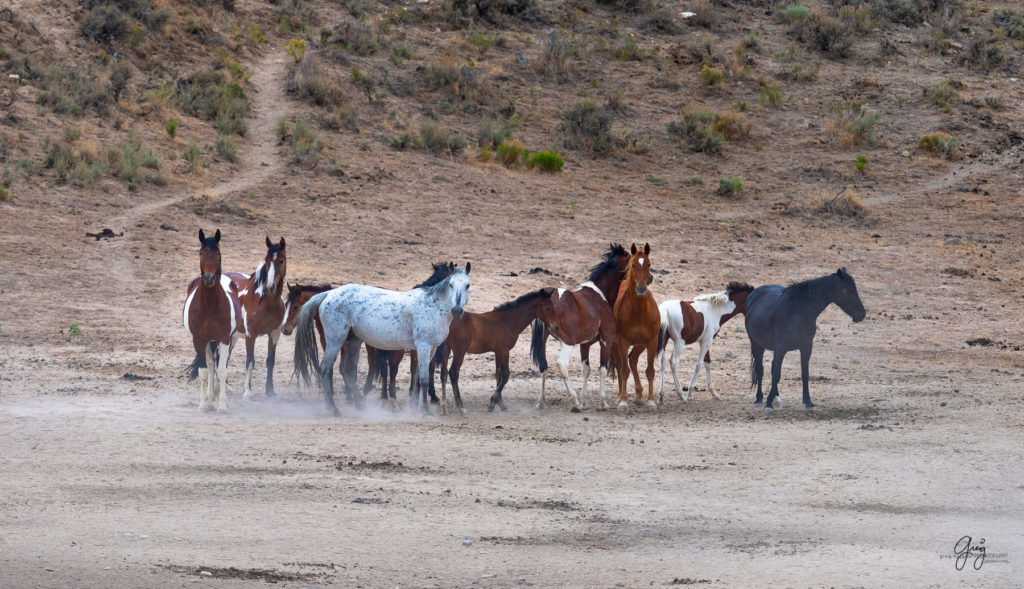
x,y
614,308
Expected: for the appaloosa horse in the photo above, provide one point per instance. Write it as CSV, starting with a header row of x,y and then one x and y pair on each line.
x,y
580,317
637,323
263,310
386,319
785,319
495,331
696,321
210,315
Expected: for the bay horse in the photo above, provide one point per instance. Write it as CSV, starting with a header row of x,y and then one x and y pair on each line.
x,y
784,319
263,310
386,319
580,317
698,321
637,324
496,331
381,363
210,316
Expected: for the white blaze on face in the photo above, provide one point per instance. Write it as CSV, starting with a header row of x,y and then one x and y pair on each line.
x,y
561,292
641,260
270,271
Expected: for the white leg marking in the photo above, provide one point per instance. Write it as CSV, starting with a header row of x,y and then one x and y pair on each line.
x,y
677,351
222,375
204,385
586,377
604,397
563,369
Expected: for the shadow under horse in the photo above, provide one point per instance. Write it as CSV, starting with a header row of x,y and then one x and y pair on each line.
x,y
785,319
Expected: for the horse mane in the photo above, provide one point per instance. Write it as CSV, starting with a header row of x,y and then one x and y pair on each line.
x,y
715,298
809,289
440,273
435,289
294,292
734,287
522,300
259,279
608,262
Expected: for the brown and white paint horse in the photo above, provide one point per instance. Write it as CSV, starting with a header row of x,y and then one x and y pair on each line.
x,y
263,310
697,321
579,317
211,317
637,322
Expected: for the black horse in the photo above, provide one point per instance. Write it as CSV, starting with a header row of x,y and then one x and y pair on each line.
x,y
784,319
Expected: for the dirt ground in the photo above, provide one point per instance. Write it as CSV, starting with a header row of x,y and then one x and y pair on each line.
x,y
111,477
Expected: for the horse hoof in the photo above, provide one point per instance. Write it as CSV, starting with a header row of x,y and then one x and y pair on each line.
x,y
652,405
622,406
769,409
538,406
576,409
809,407
206,408
503,407
757,403
490,408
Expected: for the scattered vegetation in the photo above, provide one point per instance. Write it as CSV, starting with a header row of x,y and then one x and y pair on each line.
x,y
709,76
227,148
853,124
494,131
546,161
171,127
941,94
211,96
312,81
861,164
846,203
509,152
192,156
434,138
587,127
769,94
700,130
296,48
939,143
557,59
729,187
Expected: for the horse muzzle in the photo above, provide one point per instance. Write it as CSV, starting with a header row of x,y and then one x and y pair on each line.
x,y
209,279
272,288
859,316
286,331
641,290
457,312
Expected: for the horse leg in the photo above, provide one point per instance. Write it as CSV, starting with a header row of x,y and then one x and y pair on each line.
x,y
621,359
331,352
605,353
701,352
652,353
423,351
677,352
777,359
206,377
351,374
457,360
394,361
250,364
273,336
501,372
634,360
756,369
563,369
371,370
585,358
707,369
805,363
223,353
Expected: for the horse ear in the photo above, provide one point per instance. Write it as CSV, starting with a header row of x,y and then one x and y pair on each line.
x,y
269,243
451,266
632,249
202,237
841,271
467,267
282,243
216,237
647,248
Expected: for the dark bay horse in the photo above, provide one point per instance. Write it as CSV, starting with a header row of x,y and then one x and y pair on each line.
x,y
637,323
697,321
496,331
580,317
784,319
263,310
210,315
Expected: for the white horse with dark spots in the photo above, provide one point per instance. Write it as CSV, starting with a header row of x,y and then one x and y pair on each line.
x,y
416,319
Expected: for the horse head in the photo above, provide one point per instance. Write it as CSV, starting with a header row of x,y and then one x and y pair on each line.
x,y
209,258
293,304
458,290
639,270
276,263
847,297
738,293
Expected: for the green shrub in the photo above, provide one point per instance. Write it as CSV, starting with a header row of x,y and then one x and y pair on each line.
x,y
493,131
441,140
587,126
311,81
769,94
5,195
796,13
546,161
983,54
697,132
227,148
305,145
401,50
558,58
939,143
296,48
192,156
364,81
709,76
105,25
1010,22
485,152
861,164
853,124
68,92
509,152
171,127
941,94
210,96
407,141
125,161
729,187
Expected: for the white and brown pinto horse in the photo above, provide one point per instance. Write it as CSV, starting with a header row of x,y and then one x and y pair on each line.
x,y
698,322
211,317
264,312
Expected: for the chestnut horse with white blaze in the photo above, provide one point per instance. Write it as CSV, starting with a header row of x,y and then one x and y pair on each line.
x,y
580,317
697,321
263,310
211,317
637,323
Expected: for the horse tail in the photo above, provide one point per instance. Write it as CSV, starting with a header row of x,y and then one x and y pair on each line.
x,y
192,372
753,370
662,335
381,365
441,353
537,346
307,357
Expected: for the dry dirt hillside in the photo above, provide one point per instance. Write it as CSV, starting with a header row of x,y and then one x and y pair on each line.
x,y
750,140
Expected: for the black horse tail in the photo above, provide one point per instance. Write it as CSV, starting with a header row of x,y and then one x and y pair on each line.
x,y
537,346
307,357
192,372
381,365
753,371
